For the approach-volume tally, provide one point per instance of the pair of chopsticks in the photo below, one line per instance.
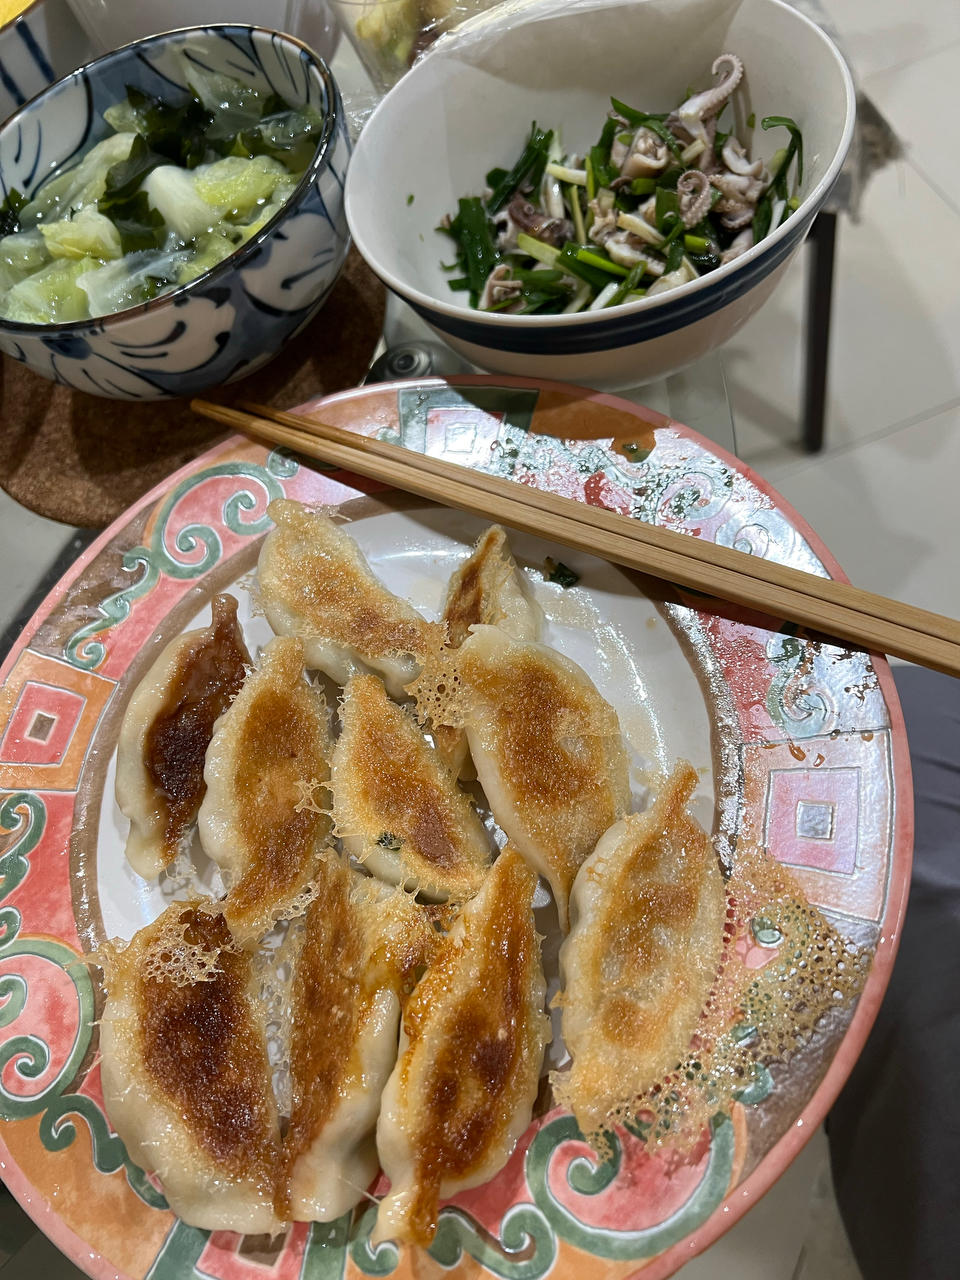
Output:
(836, 609)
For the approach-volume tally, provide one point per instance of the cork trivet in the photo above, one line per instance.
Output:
(83, 460)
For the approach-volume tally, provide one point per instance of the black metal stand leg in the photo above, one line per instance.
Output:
(822, 241)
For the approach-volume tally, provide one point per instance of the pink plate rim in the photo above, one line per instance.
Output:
(771, 1166)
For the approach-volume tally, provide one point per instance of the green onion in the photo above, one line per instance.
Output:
(570, 262)
(751, 120)
(640, 228)
(694, 149)
(591, 179)
(629, 285)
(604, 297)
(594, 258)
(560, 573)
(779, 167)
(580, 298)
(674, 234)
(528, 169)
(704, 262)
(549, 282)
(563, 173)
(796, 138)
(534, 248)
(674, 257)
(479, 253)
(573, 198)
(643, 186)
(668, 202)
(696, 244)
(598, 158)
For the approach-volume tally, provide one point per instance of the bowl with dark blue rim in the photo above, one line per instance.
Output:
(236, 316)
(466, 107)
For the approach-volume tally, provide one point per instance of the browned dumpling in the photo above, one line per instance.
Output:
(472, 1044)
(186, 1080)
(547, 749)
(648, 911)
(314, 583)
(487, 589)
(354, 959)
(264, 819)
(165, 733)
(396, 807)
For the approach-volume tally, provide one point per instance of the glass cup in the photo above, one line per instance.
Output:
(389, 35)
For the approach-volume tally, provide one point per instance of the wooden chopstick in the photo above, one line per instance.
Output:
(837, 609)
(827, 589)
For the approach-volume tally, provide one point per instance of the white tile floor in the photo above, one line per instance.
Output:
(880, 494)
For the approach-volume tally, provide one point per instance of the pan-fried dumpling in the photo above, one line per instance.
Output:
(264, 816)
(547, 749)
(396, 807)
(487, 589)
(166, 731)
(186, 1080)
(355, 959)
(648, 910)
(471, 1047)
(315, 583)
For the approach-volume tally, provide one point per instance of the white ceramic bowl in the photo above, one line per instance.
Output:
(466, 107)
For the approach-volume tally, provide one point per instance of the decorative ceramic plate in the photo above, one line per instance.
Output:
(800, 748)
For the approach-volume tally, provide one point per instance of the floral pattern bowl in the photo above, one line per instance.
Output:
(233, 319)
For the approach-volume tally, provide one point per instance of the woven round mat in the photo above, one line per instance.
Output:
(83, 460)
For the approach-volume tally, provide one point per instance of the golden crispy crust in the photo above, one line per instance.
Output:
(394, 803)
(642, 955)
(485, 590)
(269, 752)
(186, 1076)
(474, 1032)
(355, 956)
(474, 588)
(166, 732)
(548, 751)
(315, 583)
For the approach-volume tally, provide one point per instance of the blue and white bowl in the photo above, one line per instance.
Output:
(39, 45)
(466, 108)
(230, 321)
